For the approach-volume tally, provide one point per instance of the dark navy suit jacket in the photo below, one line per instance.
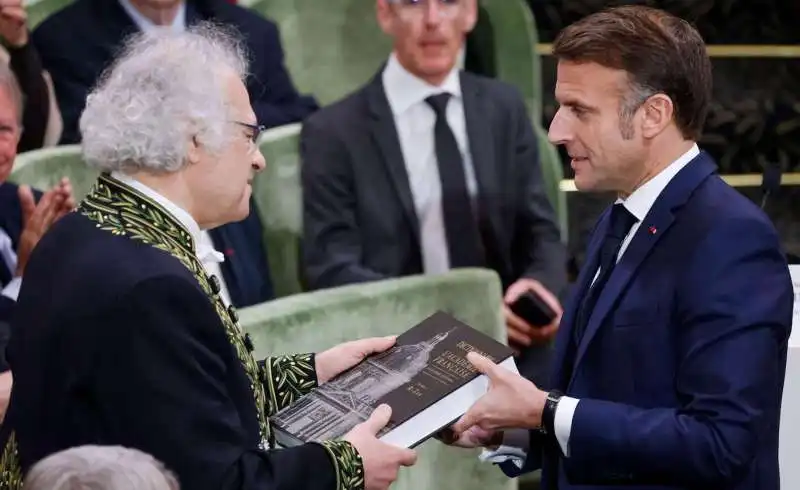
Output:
(11, 224)
(680, 371)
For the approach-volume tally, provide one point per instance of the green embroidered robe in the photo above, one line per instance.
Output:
(275, 382)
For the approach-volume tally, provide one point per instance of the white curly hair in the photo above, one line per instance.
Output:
(164, 89)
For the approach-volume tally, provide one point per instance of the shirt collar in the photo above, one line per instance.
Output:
(404, 89)
(643, 198)
(204, 248)
(146, 25)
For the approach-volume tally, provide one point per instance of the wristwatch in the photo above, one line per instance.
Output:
(549, 412)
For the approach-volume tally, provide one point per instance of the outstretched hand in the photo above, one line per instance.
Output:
(510, 402)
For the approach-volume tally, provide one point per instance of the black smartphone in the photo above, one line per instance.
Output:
(531, 308)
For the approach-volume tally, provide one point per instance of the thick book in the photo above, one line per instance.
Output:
(425, 377)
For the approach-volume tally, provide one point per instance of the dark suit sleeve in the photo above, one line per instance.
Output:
(537, 235)
(275, 100)
(331, 237)
(732, 327)
(164, 380)
(72, 76)
(27, 67)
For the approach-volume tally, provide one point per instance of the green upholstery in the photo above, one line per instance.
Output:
(315, 321)
(38, 10)
(278, 196)
(553, 174)
(332, 47)
(515, 39)
(43, 169)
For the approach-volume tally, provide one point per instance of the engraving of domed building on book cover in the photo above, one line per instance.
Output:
(335, 407)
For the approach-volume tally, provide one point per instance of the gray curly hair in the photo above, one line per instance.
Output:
(164, 89)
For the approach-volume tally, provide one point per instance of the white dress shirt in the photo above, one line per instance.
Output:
(638, 204)
(415, 120)
(146, 25)
(204, 247)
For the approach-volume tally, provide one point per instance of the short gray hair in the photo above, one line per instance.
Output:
(100, 467)
(9, 83)
(164, 89)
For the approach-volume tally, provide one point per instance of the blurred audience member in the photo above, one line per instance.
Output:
(24, 214)
(41, 120)
(427, 168)
(79, 42)
(100, 468)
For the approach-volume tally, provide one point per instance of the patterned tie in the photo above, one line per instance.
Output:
(464, 241)
(619, 225)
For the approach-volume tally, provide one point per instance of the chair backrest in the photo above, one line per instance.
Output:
(516, 59)
(278, 196)
(553, 174)
(314, 321)
(44, 168)
(332, 48)
(38, 10)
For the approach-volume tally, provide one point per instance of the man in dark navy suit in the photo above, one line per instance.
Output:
(671, 357)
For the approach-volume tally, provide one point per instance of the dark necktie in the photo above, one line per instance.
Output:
(619, 225)
(461, 227)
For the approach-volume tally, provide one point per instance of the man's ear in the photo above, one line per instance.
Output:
(193, 152)
(470, 16)
(659, 112)
(383, 12)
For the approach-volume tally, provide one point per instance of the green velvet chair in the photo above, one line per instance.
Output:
(311, 322)
(44, 168)
(38, 10)
(278, 196)
(516, 59)
(331, 47)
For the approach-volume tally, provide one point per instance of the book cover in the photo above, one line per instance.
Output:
(427, 363)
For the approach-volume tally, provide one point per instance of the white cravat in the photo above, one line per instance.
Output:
(204, 246)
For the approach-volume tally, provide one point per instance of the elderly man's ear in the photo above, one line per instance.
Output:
(193, 154)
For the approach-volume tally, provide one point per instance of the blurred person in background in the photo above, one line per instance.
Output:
(25, 215)
(41, 119)
(428, 168)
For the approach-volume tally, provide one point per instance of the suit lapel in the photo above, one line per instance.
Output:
(384, 132)
(563, 342)
(653, 227)
(477, 111)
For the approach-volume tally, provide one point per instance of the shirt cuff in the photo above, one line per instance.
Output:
(515, 446)
(11, 290)
(562, 425)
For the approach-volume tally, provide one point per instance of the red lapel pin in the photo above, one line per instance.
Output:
(652, 230)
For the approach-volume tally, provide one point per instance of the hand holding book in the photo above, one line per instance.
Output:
(381, 461)
(339, 359)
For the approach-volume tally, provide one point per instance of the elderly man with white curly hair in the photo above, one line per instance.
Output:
(127, 340)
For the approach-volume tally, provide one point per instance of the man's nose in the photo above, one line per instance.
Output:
(559, 132)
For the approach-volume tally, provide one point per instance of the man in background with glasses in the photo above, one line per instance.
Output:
(427, 169)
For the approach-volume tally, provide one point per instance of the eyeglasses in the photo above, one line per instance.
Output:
(256, 131)
(447, 8)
